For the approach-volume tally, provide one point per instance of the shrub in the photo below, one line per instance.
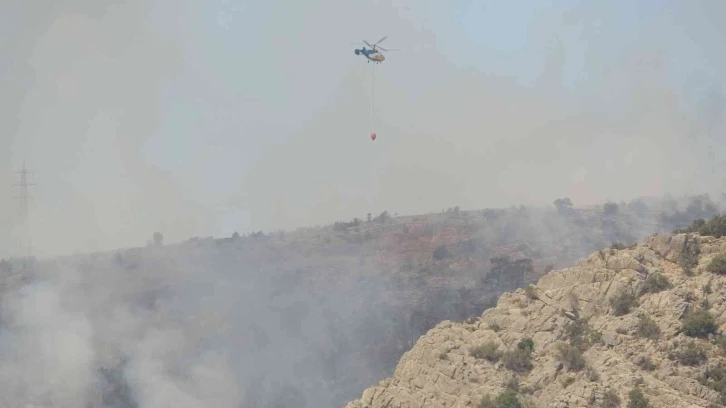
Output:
(637, 399)
(610, 399)
(715, 378)
(691, 354)
(567, 381)
(441, 252)
(488, 351)
(707, 288)
(512, 384)
(699, 324)
(382, 217)
(158, 238)
(648, 328)
(654, 283)
(574, 302)
(647, 364)
(716, 227)
(610, 209)
(688, 258)
(592, 375)
(595, 337)
(638, 207)
(526, 344)
(518, 360)
(717, 265)
(527, 390)
(486, 402)
(344, 226)
(495, 327)
(721, 342)
(622, 303)
(577, 333)
(563, 206)
(570, 356)
(507, 399)
(531, 292)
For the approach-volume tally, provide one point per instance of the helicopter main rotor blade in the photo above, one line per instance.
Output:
(368, 44)
(381, 40)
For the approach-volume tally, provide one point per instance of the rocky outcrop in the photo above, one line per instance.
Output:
(621, 348)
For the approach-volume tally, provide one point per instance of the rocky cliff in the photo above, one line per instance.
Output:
(637, 327)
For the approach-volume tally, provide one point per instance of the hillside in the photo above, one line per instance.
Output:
(641, 324)
(305, 318)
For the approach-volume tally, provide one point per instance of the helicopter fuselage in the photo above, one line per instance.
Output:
(372, 55)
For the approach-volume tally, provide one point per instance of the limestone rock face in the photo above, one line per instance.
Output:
(619, 354)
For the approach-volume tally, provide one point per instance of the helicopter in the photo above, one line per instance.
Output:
(373, 54)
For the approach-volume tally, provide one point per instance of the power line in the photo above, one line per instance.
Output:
(23, 185)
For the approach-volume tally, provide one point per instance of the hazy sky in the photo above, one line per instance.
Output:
(202, 117)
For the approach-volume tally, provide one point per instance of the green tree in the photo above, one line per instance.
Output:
(563, 206)
(610, 209)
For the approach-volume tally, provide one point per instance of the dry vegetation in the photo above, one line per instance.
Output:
(637, 327)
(376, 284)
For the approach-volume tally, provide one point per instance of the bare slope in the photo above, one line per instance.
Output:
(592, 344)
